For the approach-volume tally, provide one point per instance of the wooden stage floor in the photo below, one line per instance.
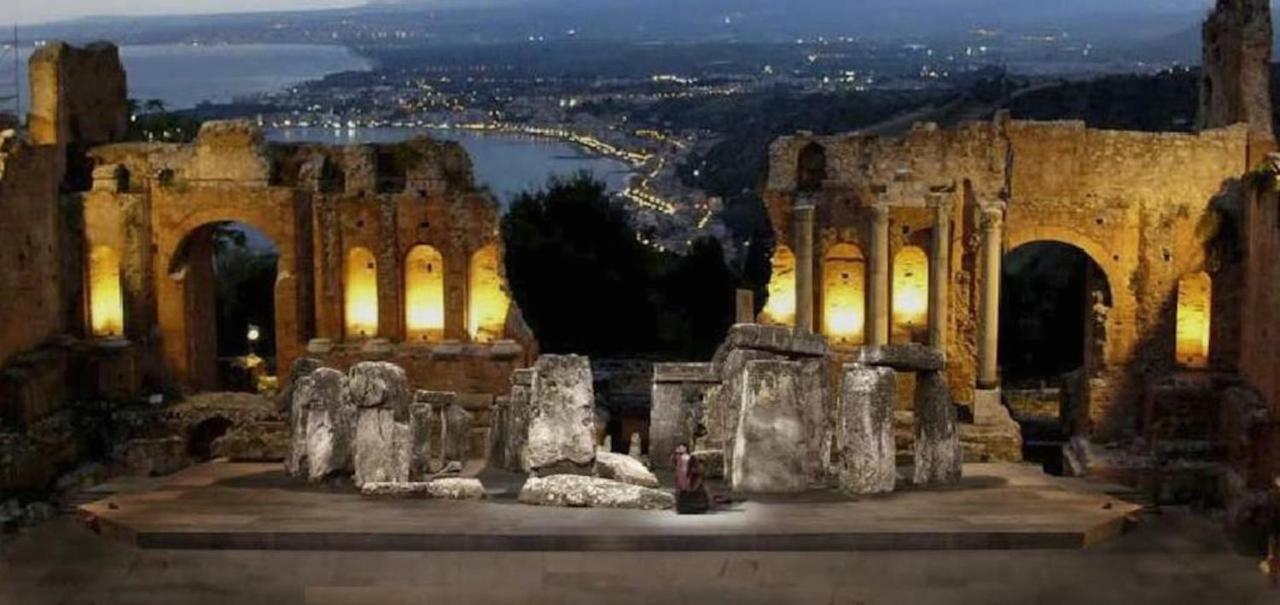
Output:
(231, 506)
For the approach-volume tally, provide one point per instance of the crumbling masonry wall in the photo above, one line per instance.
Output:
(315, 204)
(1142, 206)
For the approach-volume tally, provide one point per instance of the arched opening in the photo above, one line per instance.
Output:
(201, 437)
(811, 168)
(910, 295)
(1054, 301)
(424, 294)
(1195, 295)
(487, 303)
(844, 272)
(106, 304)
(228, 273)
(780, 308)
(361, 294)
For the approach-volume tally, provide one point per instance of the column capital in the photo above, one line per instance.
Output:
(993, 216)
(880, 211)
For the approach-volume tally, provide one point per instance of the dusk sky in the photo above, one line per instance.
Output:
(36, 11)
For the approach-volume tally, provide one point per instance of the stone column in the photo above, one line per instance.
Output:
(745, 306)
(804, 212)
(989, 311)
(940, 274)
(878, 282)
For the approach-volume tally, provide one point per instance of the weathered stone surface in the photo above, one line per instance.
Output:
(254, 442)
(457, 434)
(773, 339)
(154, 457)
(625, 469)
(712, 462)
(868, 457)
(377, 384)
(414, 489)
(330, 423)
(302, 366)
(769, 450)
(456, 488)
(420, 462)
(818, 421)
(443, 489)
(722, 416)
(593, 492)
(561, 417)
(938, 456)
(382, 447)
(913, 357)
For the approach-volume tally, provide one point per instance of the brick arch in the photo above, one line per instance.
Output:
(1096, 252)
(184, 299)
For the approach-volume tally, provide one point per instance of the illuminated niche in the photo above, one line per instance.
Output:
(361, 294)
(1194, 315)
(910, 293)
(106, 304)
(780, 309)
(487, 302)
(424, 294)
(844, 273)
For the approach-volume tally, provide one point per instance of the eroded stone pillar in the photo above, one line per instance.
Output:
(878, 283)
(989, 310)
(939, 274)
(804, 212)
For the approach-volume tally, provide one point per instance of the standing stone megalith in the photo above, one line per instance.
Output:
(457, 434)
(561, 417)
(867, 455)
(938, 454)
(380, 392)
(420, 467)
(330, 419)
(769, 448)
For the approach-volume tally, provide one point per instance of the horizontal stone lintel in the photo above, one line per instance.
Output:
(676, 373)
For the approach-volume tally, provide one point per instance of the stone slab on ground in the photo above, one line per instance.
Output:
(592, 492)
(624, 468)
(454, 488)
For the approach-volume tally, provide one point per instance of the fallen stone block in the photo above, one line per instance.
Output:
(592, 492)
(626, 469)
(866, 430)
(456, 489)
(441, 489)
(254, 442)
(912, 357)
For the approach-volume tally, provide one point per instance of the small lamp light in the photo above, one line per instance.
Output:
(254, 334)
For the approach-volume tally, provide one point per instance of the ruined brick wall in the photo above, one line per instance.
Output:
(315, 203)
(78, 95)
(1142, 206)
(1235, 86)
(1260, 331)
(30, 271)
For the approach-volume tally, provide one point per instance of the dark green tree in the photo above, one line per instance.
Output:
(578, 271)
